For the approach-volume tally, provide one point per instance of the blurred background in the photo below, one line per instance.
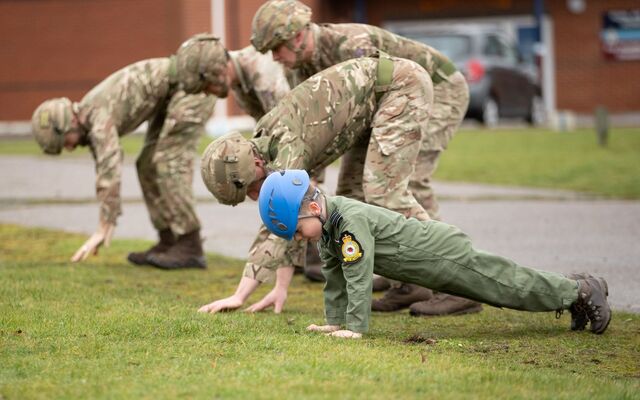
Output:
(542, 62)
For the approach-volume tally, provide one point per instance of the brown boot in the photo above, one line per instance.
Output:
(445, 304)
(313, 263)
(185, 253)
(166, 240)
(400, 297)
(380, 284)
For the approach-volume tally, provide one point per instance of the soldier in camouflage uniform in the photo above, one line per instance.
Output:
(256, 81)
(284, 27)
(143, 91)
(373, 109)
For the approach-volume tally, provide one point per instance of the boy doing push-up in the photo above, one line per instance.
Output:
(357, 240)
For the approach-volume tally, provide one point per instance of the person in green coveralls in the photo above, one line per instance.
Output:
(357, 240)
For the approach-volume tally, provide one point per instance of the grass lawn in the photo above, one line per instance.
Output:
(519, 157)
(541, 158)
(105, 329)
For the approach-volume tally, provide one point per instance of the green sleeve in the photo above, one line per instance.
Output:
(335, 292)
(358, 273)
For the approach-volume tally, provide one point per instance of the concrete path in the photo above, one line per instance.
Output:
(547, 229)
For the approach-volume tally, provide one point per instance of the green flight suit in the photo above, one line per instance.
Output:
(361, 239)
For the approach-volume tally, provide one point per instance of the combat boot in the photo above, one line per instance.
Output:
(444, 304)
(166, 241)
(380, 284)
(400, 297)
(313, 263)
(185, 253)
(592, 302)
(579, 320)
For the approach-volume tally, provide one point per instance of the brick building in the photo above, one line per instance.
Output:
(54, 48)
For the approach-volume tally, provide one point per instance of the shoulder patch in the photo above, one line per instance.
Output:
(351, 249)
(335, 218)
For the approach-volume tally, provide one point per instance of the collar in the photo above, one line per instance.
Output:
(330, 225)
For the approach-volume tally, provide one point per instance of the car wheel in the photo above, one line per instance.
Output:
(490, 113)
(537, 115)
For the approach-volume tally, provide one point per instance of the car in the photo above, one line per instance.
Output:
(501, 84)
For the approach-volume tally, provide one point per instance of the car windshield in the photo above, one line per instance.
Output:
(456, 47)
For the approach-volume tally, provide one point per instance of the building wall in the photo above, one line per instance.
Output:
(53, 48)
(584, 79)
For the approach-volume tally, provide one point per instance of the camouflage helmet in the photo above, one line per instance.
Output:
(276, 22)
(228, 168)
(50, 121)
(202, 60)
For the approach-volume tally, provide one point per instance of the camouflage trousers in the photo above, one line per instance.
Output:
(377, 169)
(450, 102)
(165, 164)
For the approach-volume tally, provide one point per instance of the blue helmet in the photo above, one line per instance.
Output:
(280, 198)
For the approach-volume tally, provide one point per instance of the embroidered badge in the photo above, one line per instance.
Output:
(44, 119)
(351, 249)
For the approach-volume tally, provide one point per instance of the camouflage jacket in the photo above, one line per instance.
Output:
(321, 118)
(115, 107)
(335, 43)
(261, 81)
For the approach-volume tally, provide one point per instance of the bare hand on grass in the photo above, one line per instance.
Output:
(226, 304)
(275, 298)
(323, 328)
(91, 246)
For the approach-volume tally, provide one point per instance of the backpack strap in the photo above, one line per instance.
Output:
(384, 74)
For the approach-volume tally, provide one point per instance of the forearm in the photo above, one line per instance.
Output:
(245, 288)
(110, 204)
(283, 277)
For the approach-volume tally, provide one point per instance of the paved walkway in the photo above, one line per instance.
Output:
(548, 229)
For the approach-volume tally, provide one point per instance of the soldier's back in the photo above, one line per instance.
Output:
(132, 94)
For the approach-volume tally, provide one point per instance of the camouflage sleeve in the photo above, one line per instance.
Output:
(293, 152)
(108, 158)
(270, 84)
(269, 252)
(356, 46)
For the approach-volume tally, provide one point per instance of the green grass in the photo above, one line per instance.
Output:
(105, 329)
(545, 159)
(519, 157)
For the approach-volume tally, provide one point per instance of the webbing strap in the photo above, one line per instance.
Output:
(173, 71)
(444, 70)
(384, 75)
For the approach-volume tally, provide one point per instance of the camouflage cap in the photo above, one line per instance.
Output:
(276, 22)
(50, 121)
(202, 60)
(228, 168)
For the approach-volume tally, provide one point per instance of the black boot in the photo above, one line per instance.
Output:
(185, 253)
(166, 241)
